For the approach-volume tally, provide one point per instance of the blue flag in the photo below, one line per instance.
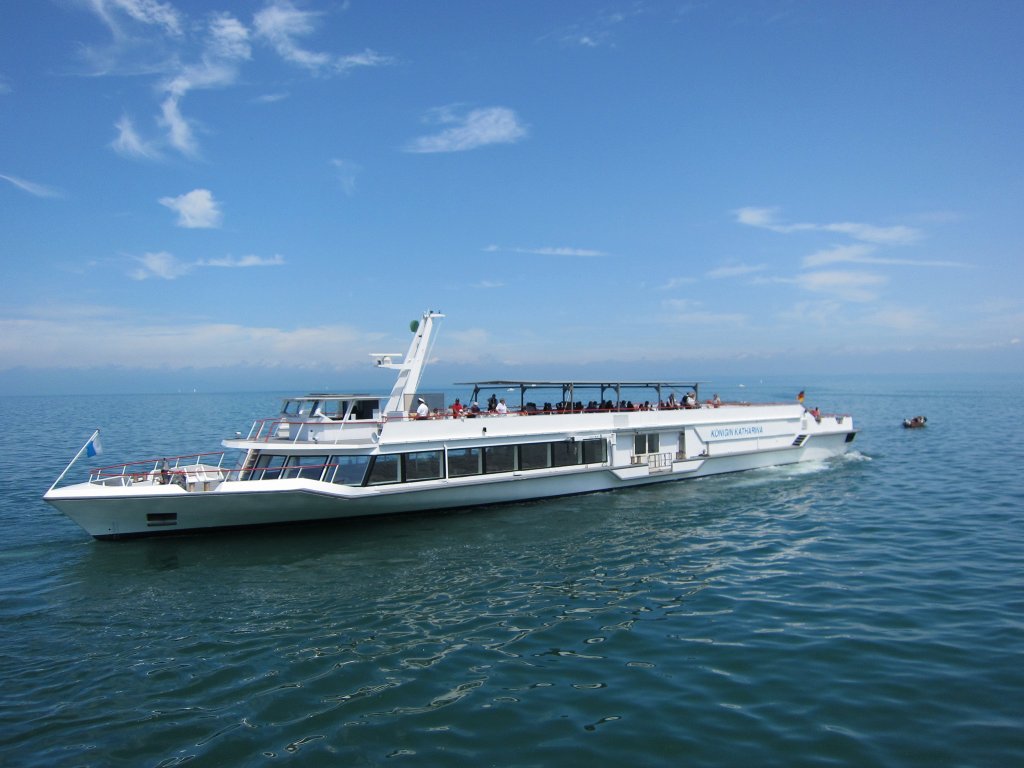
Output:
(94, 447)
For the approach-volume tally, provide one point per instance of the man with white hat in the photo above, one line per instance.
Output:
(422, 411)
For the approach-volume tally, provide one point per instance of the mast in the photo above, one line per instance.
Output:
(410, 369)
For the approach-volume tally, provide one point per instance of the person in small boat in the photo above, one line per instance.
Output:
(422, 411)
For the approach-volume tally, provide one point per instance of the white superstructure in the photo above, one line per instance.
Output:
(330, 456)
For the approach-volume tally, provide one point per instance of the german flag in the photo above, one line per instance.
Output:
(800, 397)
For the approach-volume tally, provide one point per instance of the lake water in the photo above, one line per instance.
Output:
(867, 611)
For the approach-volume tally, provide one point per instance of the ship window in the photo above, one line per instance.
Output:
(333, 409)
(533, 456)
(309, 467)
(464, 461)
(499, 458)
(565, 453)
(595, 451)
(347, 470)
(268, 467)
(385, 469)
(645, 443)
(422, 465)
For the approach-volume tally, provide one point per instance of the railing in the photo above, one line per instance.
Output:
(161, 471)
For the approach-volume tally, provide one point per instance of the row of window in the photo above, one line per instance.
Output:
(429, 465)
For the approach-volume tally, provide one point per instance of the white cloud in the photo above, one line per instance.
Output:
(162, 265)
(841, 253)
(166, 266)
(691, 312)
(38, 190)
(129, 144)
(281, 24)
(549, 251)
(477, 128)
(114, 338)
(900, 319)
(145, 12)
(244, 261)
(766, 218)
(153, 37)
(196, 209)
(229, 38)
(676, 282)
(849, 286)
(596, 31)
(179, 132)
(226, 46)
(270, 98)
(5, 87)
(863, 254)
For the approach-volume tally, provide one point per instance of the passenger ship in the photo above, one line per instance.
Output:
(332, 456)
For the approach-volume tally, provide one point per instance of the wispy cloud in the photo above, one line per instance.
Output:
(119, 338)
(166, 266)
(766, 218)
(900, 319)
(245, 261)
(692, 312)
(596, 31)
(849, 286)
(115, 13)
(282, 25)
(129, 144)
(270, 98)
(677, 282)
(5, 87)
(162, 264)
(196, 209)
(33, 188)
(864, 254)
(152, 37)
(474, 129)
(548, 251)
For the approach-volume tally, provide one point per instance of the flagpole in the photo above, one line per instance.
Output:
(78, 455)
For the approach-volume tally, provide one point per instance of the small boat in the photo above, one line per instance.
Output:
(328, 456)
(915, 422)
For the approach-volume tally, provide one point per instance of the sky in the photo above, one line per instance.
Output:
(238, 195)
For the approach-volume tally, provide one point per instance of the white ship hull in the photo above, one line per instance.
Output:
(133, 511)
(330, 457)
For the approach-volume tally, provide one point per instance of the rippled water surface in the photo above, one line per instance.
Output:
(863, 611)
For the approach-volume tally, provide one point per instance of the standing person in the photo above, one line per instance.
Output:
(457, 408)
(501, 408)
(422, 411)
